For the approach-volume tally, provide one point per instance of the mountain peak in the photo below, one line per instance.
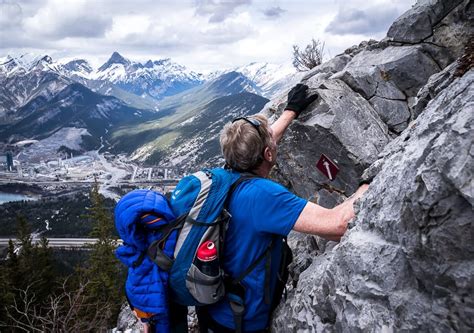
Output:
(151, 63)
(47, 59)
(118, 58)
(42, 63)
(115, 58)
(7, 64)
(148, 64)
(79, 65)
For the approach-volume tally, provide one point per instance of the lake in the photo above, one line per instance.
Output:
(7, 197)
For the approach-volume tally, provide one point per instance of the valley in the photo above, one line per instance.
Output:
(65, 126)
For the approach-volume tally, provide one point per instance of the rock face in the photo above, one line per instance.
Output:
(396, 112)
(407, 262)
(424, 21)
(443, 25)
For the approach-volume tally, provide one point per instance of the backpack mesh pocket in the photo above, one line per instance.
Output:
(204, 288)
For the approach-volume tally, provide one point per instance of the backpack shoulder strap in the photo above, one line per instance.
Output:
(243, 177)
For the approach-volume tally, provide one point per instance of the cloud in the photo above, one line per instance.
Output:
(172, 36)
(226, 34)
(363, 21)
(205, 34)
(76, 19)
(218, 10)
(273, 12)
(11, 14)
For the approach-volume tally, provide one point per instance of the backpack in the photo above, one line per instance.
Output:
(199, 204)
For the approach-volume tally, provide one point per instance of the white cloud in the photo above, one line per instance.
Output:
(204, 35)
(11, 14)
(172, 35)
(76, 19)
(218, 10)
(273, 12)
(356, 20)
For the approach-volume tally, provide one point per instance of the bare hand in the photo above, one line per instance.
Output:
(360, 191)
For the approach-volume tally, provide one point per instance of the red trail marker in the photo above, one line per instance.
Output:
(327, 167)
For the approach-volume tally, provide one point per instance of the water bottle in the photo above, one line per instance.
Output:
(207, 261)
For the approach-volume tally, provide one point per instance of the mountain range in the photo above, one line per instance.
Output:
(156, 111)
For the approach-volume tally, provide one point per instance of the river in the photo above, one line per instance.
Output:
(7, 197)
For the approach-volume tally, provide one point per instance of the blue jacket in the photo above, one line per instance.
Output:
(146, 285)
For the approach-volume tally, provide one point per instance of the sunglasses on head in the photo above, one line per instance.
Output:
(252, 121)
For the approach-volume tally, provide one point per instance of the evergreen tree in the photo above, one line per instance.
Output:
(28, 268)
(103, 273)
(23, 236)
(11, 264)
(35, 263)
(7, 269)
(44, 272)
(23, 273)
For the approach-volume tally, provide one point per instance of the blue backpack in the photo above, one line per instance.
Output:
(198, 214)
(198, 202)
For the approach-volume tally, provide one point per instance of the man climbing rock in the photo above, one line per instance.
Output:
(263, 213)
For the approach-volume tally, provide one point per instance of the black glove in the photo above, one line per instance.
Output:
(297, 99)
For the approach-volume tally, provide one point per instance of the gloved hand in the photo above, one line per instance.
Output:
(298, 100)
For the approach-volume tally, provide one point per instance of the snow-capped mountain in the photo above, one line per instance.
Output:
(154, 78)
(12, 65)
(24, 78)
(267, 78)
(143, 85)
(75, 106)
(156, 111)
(77, 67)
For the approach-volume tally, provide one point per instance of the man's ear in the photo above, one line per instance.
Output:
(267, 155)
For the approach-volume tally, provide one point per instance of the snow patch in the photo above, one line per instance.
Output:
(70, 137)
(103, 109)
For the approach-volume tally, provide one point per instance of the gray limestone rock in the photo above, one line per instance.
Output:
(433, 87)
(127, 321)
(393, 70)
(455, 28)
(394, 113)
(417, 24)
(406, 263)
(388, 78)
(332, 66)
(443, 28)
(364, 45)
(340, 124)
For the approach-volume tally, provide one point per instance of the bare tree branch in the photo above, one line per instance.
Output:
(311, 57)
(63, 312)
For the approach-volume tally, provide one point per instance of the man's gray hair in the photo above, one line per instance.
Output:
(242, 145)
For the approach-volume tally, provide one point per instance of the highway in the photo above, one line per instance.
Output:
(160, 182)
(66, 243)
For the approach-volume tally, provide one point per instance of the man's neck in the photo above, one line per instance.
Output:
(263, 169)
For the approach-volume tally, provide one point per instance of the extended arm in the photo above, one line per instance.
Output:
(328, 223)
(281, 124)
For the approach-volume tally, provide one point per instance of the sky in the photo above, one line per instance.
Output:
(203, 35)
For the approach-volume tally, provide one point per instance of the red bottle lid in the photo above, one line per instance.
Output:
(207, 251)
